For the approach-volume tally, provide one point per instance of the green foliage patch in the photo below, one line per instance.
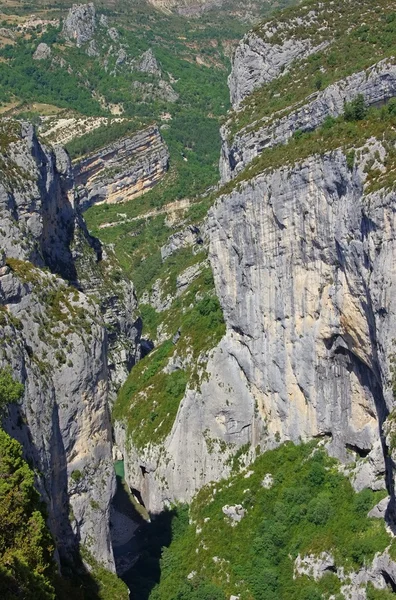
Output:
(310, 508)
(26, 567)
(10, 390)
(150, 398)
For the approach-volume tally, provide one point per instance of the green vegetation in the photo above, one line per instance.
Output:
(10, 390)
(311, 508)
(26, 567)
(150, 398)
(104, 135)
(366, 33)
(355, 110)
(98, 584)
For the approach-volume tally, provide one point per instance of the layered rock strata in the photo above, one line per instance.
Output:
(376, 85)
(123, 170)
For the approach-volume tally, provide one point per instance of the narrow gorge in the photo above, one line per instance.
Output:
(197, 301)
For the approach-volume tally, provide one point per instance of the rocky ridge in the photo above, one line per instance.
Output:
(54, 337)
(376, 85)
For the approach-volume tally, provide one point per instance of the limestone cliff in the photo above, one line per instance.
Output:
(53, 329)
(376, 84)
(124, 170)
(302, 247)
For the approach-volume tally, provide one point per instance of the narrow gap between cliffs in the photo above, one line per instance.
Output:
(137, 538)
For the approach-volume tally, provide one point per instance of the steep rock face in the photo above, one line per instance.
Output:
(304, 267)
(376, 84)
(80, 23)
(256, 62)
(54, 338)
(124, 170)
(303, 262)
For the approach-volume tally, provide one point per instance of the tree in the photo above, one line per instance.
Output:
(355, 110)
(10, 390)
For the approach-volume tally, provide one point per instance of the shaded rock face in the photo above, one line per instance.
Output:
(376, 84)
(123, 170)
(39, 216)
(53, 336)
(80, 23)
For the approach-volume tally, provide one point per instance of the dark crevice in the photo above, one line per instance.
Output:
(362, 452)
(138, 496)
(389, 581)
(331, 569)
(373, 374)
(323, 434)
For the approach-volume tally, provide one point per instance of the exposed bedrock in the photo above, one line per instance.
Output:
(123, 170)
(376, 84)
(304, 266)
(54, 337)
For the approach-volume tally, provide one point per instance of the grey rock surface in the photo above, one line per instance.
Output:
(122, 170)
(147, 63)
(80, 23)
(42, 52)
(302, 258)
(256, 62)
(191, 236)
(234, 513)
(381, 573)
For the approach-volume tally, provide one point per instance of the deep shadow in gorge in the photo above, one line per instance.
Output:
(145, 546)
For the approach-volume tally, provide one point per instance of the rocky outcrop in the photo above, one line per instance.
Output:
(148, 64)
(256, 62)
(191, 236)
(376, 84)
(42, 52)
(80, 23)
(54, 337)
(123, 170)
(150, 91)
(381, 573)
